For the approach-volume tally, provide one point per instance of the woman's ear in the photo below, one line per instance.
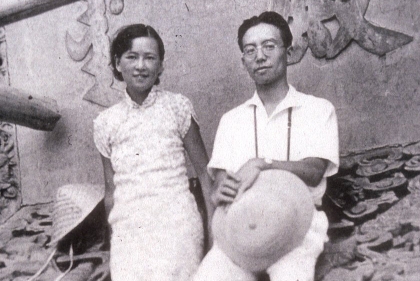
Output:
(162, 68)
(117, 63)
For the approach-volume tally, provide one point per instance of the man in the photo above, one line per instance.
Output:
(278, 128)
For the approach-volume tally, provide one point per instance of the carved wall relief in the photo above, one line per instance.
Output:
(96, 43)
(3, 58)
(116, 6)
(10, 191)
(307, 20)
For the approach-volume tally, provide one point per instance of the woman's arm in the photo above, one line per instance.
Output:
(196, 150)
(109, 185)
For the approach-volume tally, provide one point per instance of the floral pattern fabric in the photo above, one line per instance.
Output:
(157, 229)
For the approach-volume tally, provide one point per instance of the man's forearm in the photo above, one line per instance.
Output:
(309, 170)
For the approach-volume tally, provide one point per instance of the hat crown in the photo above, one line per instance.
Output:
(267, 222)
(73, 203)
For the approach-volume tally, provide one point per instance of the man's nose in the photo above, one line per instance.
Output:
(260, 55)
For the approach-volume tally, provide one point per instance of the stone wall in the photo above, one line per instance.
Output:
(375, 96)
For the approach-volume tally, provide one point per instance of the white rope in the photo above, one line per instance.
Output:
(71, 265)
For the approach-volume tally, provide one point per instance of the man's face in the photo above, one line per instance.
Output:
(265, 56)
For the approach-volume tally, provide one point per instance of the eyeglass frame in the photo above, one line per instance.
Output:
(252, 57)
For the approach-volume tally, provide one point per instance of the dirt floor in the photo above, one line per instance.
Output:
(373, 205)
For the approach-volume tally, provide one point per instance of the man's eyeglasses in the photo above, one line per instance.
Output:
(268, 48)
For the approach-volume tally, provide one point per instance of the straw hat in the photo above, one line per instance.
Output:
(267, 222)
(74, 202)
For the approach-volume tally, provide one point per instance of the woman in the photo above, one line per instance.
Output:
(157, 232)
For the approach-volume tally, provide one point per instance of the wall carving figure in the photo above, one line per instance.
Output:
(95, 45)
(307, 20)
(10, 191)
(116, 6)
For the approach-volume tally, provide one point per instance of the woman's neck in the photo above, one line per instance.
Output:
(139, 97)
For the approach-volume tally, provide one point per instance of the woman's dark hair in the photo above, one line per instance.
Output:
(272, 18)
(122, 42)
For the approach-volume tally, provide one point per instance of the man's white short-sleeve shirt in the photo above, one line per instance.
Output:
(314, 133)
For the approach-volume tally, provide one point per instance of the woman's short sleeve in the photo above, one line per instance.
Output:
(184, 112)
(101, 136)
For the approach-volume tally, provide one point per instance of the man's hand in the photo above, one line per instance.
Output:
(248, 174)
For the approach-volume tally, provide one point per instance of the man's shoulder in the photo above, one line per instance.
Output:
(309, 101)
(236, 112)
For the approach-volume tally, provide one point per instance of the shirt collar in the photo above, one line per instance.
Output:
(293, 99)
(149, 101)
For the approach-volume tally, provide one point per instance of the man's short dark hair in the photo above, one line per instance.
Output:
(272, 18)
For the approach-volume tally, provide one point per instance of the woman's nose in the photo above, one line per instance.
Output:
(140, 63)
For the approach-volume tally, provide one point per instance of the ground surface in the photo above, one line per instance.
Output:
(379, 240)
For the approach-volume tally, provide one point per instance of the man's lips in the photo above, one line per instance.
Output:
(261, 68)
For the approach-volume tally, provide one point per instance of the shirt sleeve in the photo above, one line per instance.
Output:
(101, 136)
(222, 149)
(322, 138)
(184, 112)
(329, 146)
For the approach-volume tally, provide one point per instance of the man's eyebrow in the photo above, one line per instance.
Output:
(272, 39)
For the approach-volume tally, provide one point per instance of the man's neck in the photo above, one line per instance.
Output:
(271, 95)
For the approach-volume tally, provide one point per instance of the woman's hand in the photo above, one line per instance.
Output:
(227, 188)
(231, 186)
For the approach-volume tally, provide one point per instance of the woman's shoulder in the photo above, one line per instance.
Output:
(111, 113)
(172, 96)
(174, 101)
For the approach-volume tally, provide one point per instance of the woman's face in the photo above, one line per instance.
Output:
(141, 65)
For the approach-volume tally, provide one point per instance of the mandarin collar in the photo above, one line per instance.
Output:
(293, 99)
(149, 101)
